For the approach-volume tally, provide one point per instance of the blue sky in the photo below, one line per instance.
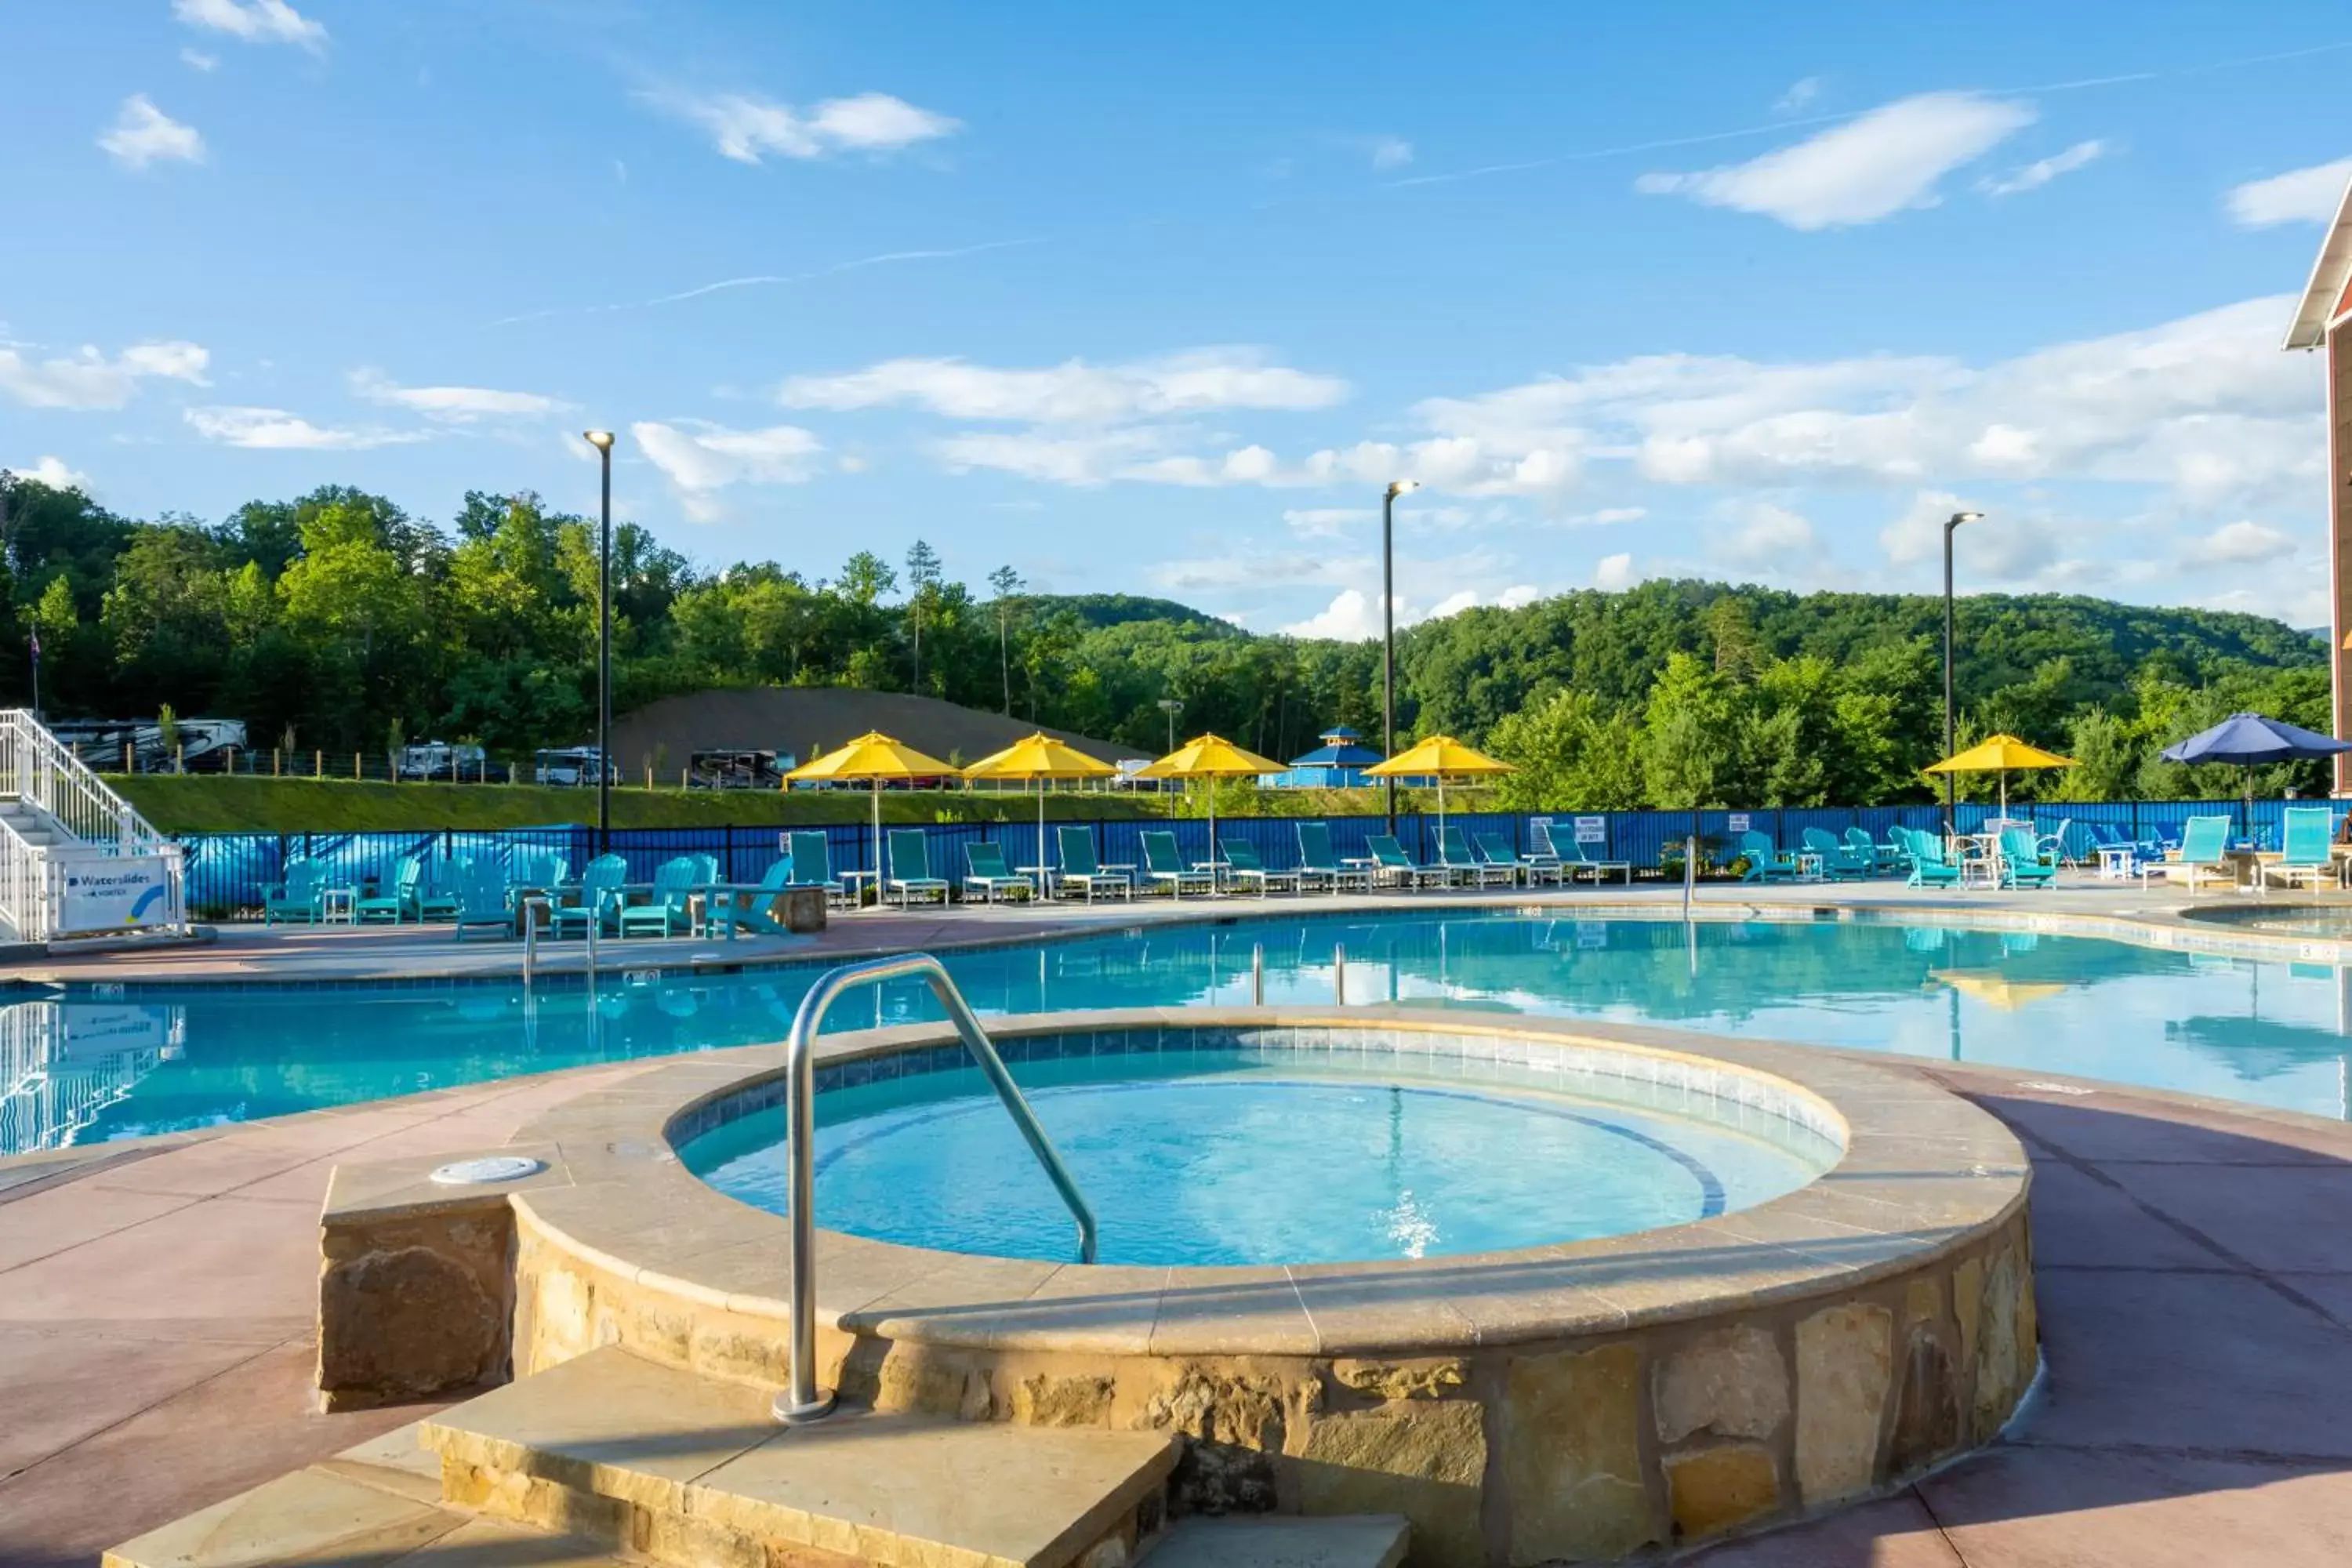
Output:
(1161, 302)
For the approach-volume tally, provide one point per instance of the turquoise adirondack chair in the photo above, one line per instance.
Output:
(1766, 861)
(593, 899)
(2204, 853)
(295, 901)
(541, 869)
(1930, 866)
(482, 900)
(1839, 859)
(2307, 852)
(394, 901)
(670, 909)
(2021, 862)
(755, 909)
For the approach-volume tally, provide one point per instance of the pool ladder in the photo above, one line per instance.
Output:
(804, 1402)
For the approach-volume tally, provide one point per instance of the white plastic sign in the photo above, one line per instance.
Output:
(1593, 830)
(1738, 823)
(115, 892)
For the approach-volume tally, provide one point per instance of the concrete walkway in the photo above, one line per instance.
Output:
(2196, 1303)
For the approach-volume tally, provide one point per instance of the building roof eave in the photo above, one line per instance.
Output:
(2330, 275)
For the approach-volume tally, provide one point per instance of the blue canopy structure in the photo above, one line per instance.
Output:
(2251, 741)
(1339, 763)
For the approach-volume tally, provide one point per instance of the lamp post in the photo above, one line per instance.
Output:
(1388, 633)
(1172, 707)
(603, 441)
(1951, 781)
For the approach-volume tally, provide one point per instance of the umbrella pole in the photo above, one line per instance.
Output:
(1215, 884)
(878, 841)
(1041, 834)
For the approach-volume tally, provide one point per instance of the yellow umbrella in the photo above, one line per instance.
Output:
(1036, 759)
(1996, 989)
(2002, 754)
(1210, 757)
(1440, 757)
(873, 756)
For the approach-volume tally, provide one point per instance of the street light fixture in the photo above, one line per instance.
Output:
(1951, 781)
(1388, 631)
(603, 441)
(1172, 707)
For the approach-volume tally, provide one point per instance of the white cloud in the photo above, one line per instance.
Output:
(1615, 573)
(1330, 522)
(254, 21)
(1518, 593)
(143, 134)
(1799, 94)
(197, 60)
(88, 380)
(2299, 196)
(53, 472)
(1870, 168)
(1390, 151)
(1454, 604)
(454, 405)
(701, 459)
(2042, 171)
(275, 429)
(2003, 547)
(1352, 616)
(2240, 544)
(1605, 517)
(1765, 537)
(745, 127)
(1073, 393)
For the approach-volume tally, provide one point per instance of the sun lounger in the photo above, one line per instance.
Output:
(2307, 854)
(812, 866)
(1460, 862)
(1243, 864)
(1318, 863)
(1393, 867)
(909, 854)
(1165, 867)
(2204, 853)
(1081, 871)
(1497, 851)
(984, 869)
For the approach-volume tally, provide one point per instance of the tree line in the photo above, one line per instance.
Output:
(339, 621)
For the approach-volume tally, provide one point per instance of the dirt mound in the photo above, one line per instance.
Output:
(804, 720)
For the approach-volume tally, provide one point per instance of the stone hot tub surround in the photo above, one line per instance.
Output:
(1587, 1401)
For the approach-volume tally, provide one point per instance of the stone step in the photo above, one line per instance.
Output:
(378, 1504)
(690, 1473)
(1275, 1540)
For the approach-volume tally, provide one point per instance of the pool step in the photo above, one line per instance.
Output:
(689, 1472)
(1271, 1541)
(377, 1504)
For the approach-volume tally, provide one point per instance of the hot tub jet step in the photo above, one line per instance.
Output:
(687, 1471)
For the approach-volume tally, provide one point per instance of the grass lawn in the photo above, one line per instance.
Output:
(212, 804)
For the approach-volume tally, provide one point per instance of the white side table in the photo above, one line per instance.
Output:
(339, 906)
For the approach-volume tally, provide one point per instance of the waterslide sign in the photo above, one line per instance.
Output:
(1738, 823)
(115, 892)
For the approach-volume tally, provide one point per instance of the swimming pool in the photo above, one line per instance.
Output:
(82, 1068)
(1199, 1157)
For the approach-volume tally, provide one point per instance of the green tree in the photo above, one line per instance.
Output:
(1691, 737)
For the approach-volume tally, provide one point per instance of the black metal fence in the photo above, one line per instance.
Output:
(228, 871)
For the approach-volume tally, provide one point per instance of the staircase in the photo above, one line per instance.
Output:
(75, 859)
(608, 1460)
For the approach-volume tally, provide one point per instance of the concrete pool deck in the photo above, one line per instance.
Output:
(156, 1302)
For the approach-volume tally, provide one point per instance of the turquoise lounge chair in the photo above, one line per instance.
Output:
(1497, 850)
(295, 901)
(1316, 863)
(392, 904)
(2204, 852)
(1081, 871)
(482, 900)
(1541, 849)
(908, 851)
(1460, 862)
(1574, 860)
(1163, 864)
(1241, 863)
(2022, 861)
(2307, 850)
(812, 866)
(1931, 867)
(670, 909)
(1766, 861)
(1839, 859)
(600, 887)
(1391, 866)
(984, 869)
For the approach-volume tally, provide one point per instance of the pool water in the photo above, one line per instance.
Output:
(1194, 1160)
(84, 1069)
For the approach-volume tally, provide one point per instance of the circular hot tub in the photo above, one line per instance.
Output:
(1551, 1290)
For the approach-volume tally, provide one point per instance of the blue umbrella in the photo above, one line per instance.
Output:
(2249, 740)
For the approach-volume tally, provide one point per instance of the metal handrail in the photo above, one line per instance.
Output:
(804, 1402)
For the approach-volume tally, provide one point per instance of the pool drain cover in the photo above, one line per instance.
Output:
(495, 1168)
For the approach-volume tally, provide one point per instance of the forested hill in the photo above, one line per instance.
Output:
(336, 620)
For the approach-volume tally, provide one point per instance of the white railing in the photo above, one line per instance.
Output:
(40, 772)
